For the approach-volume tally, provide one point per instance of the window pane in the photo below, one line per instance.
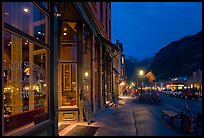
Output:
(69, 34)
(69, 52)
(27, 18)
(69, 84)
(45, 4)
(25, 81)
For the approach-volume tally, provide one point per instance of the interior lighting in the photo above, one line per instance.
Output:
(86, 74)
(6, 13)
(25, 10)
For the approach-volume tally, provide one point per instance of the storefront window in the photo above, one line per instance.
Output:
(87, 64)
(45, 4)
(25, 66)
(69, 84)
(68, 66)
(69, 32)
(25, 83)
(68, 52)
(27, 18)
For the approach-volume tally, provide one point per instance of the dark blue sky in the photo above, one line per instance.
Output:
(145, 27)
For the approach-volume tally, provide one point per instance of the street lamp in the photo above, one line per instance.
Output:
(141, 73)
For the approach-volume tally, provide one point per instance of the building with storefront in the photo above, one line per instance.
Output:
(195, 81)
(55, 55)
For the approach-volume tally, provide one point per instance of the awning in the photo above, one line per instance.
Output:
(115, 70)
(109, 43)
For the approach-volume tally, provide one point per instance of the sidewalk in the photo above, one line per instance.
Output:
(115, 120)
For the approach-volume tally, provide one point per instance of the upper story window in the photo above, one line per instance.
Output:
(101, 11)
(123, 61)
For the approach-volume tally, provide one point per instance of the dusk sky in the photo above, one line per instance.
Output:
(145, 27)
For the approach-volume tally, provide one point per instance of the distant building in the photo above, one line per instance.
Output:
(195, 81)
(176, 83)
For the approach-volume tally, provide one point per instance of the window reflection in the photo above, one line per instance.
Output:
(39, 32)
(25, 79)
(69, 34)
(27, 18)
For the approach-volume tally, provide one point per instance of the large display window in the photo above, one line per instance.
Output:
(68, 66)
(25, 66)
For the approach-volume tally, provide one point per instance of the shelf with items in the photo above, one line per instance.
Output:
(8, 91)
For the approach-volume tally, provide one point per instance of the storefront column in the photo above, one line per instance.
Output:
(80, 71)
(53, 65)
(93, 74)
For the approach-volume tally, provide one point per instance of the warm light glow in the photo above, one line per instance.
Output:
(141, 72)
(26, 43)
(65, 29)
(25, 10)
(58, 14)
(44, 85)
(132, 83)
(122, 83)
(86, 74)
(39, 32)
(26, 71)
(65, 33)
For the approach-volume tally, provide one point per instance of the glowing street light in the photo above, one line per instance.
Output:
(141, 73)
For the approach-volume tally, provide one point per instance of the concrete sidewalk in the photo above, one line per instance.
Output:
(115, 120)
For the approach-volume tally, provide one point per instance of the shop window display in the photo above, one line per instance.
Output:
(25, 67)
(68, 66)
(25, 81)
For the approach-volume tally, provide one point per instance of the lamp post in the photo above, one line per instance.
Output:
(141, 73)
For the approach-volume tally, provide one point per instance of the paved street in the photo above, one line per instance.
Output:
(127, 118)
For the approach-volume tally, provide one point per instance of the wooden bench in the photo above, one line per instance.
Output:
(168, 113)
(23, 118)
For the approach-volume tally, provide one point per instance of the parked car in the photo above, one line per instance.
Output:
(194, 93)
(190, 93)
(185, 94)
(177, 92)
(167, 92)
